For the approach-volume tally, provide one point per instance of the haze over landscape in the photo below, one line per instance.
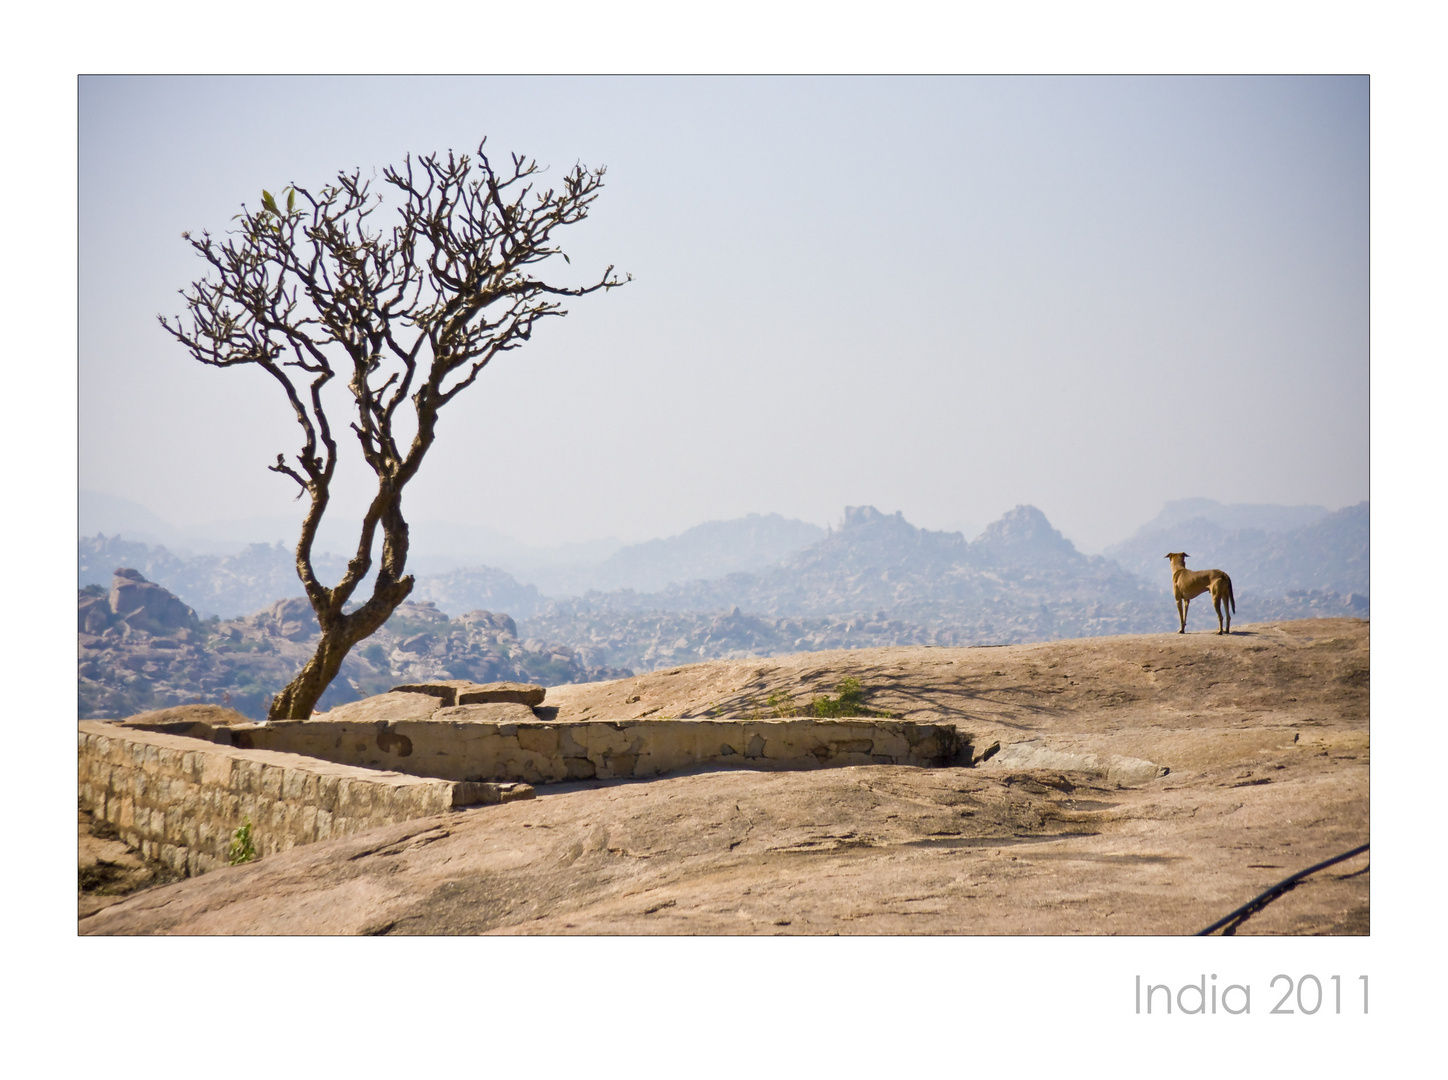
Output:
(940, 296)
(903, 360)
(756, 586)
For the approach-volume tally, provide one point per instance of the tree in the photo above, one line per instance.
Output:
(310, 288)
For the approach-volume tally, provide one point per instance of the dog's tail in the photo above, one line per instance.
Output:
(1231, 596)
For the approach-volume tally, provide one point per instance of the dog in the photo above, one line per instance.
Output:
(1186, 584)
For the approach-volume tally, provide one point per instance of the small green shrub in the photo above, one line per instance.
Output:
(242, 849)
(850, 702)
(782, 704)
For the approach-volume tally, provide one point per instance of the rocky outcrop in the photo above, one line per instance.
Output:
(241, 663)
(483, 587)
(222, 585)
(292, 619)
(875, 581)
(95, 613)
(1327, 555)
(147, 606)
(712, 550)
(1023, 536)
(878, 580)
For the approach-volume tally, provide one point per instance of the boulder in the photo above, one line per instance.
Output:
(197, 721)
(95, 614)
(292, 619)
(417, 644)
(144, 605)
(200, 713)
(421, 611)
(487, 620)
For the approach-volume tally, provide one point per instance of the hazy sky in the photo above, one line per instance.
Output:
(941, 296)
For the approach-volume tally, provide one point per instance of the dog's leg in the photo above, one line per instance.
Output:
(1217, 607)
(1182, 604)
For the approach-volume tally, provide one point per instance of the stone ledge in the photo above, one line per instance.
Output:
(470, 743)
(178, 786)
(464, 692)
(179, 799)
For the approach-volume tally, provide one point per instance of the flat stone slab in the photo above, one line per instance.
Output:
(497, 712)
(212, 716)
(398, 705)
(464, 692)
(1111, 767)
(488, 793)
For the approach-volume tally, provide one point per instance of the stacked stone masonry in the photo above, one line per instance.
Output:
(180, 800)
(547, 752)
(179, 788)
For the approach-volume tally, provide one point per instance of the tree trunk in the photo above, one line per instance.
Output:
(299, 698)
(340, 632)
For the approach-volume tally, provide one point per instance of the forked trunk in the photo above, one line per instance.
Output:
(298, 699)
(340, 631)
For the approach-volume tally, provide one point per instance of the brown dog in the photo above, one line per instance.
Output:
(1186, 584)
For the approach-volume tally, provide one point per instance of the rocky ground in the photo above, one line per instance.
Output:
(109, 869)
(1066, 829)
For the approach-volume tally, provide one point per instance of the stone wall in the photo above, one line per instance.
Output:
(178, 786)
(179, 799)
(449, 747)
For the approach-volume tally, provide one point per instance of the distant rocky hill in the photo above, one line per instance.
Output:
(646, 640)
(877, 580)
(880, 562)
(706, 551)
(478, 587)
(223, 585)
(1268, 517)
(1327, 553)
(228, 585)
(261, 574)
(141, 648)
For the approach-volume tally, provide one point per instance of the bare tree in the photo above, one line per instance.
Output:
(413, 314)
